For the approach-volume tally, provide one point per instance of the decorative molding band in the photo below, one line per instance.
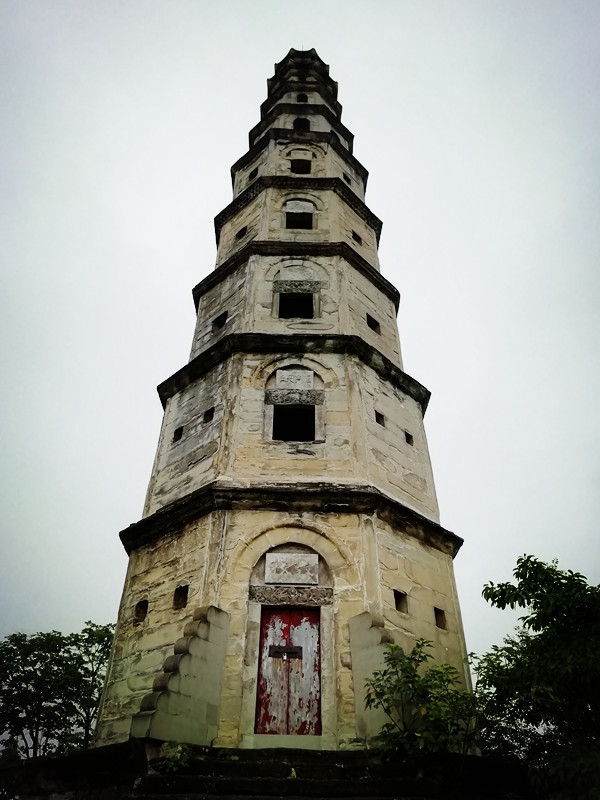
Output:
(303, 287)
(294, 397)
(336, 185)
(291, 596)
(294, 344)
(326, 498)
(262, 247)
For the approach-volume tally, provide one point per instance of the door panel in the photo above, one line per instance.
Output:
(289, 681)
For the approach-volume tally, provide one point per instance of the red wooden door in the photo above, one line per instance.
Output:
(288, 698)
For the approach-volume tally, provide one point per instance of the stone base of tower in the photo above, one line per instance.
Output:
(332, 586)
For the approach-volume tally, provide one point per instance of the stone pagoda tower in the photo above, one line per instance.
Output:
(291, 526)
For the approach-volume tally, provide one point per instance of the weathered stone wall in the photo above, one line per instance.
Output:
(264, 218)
(276, 157)
(188, 449)
(345, 297)
(217, 557)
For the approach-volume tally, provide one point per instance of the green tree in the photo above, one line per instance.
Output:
(51, 687)
(426, 710)
(540, 690)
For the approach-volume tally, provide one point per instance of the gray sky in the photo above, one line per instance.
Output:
(479, 123)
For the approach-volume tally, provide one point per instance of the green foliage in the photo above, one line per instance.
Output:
(426, 712)
(540, 690)
(51, 687)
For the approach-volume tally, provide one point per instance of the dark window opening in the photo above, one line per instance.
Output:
(178, 433)
(409, 438)
(242, 232)
(301, 166)
(299, 219)
(357, 237)
(380, 419)
(301, 124)
(219, 321)
(401, 601)
(294, 423)
(140, 612)
(373, 324)
(302, 98)
(180, 597)
(296, 304)
(440, 618)
(208, 414)
(253, 174)
(347, 177)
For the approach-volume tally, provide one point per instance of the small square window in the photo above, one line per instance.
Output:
(380, 419)
(252, 175)
(178, 433)
(180, 597)
(296, 304)
(300, 166)
(208, 414)
(401, 601)
(294, 423)
(347, 177)
(440, 618)
(357, 237)
(219, 321)
(299, 219)
(140, 612)
(373, 324)
(409, 438)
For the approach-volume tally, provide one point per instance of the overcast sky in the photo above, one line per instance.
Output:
(479, 123)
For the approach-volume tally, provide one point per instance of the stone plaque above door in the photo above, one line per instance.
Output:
(294, 568)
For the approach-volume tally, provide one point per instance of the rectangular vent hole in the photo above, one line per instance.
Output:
(401, 601)
(357, 237)
(219, 321)
(380, 419)
(178, 433)
(440, 618)
(410, 439)
(180, 597)
(140, 611)
(373, 324)
(208, 414)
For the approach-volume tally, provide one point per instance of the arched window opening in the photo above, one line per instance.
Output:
(299, 214)
(302, 98)
(294, 405)
(301, 124)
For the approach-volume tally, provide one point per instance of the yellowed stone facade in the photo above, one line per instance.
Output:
(292, 436)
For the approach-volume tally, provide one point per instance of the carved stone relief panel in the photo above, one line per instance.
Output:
(295, 379)
(291, 595)
(289, 568)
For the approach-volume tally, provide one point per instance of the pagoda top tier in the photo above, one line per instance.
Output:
(301, 71)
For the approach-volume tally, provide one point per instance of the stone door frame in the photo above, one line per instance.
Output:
(328, 738)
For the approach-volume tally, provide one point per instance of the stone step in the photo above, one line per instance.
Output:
(220, 785)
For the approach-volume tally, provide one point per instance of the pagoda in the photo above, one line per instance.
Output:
(291, 527)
